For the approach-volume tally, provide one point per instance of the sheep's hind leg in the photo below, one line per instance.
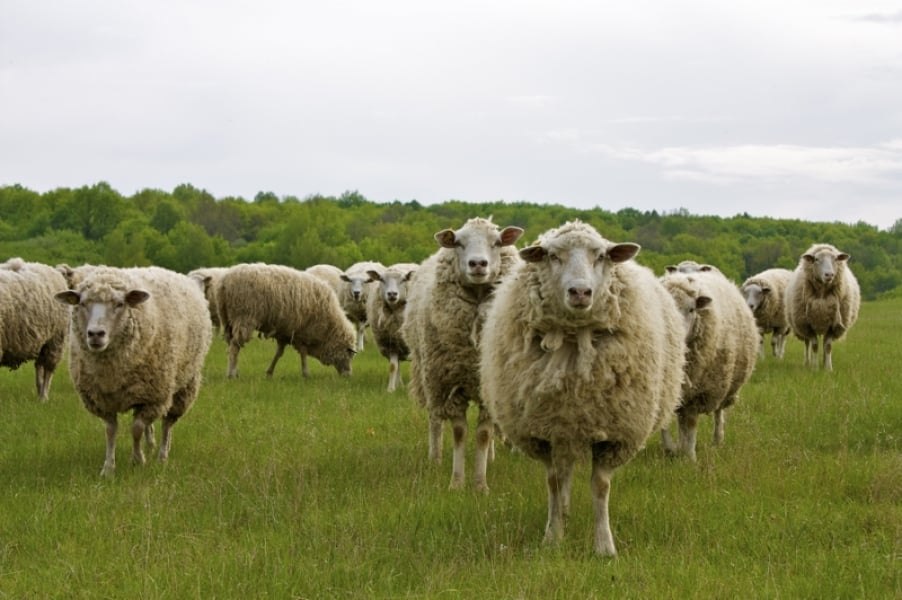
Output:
(139, 427)
(601, 491)
(280, 350)
(688, 431)
(109, 463)
(828, 353)
(719, 418)
(558, 477)
(435, 439)
(484, 430)
(458, 460)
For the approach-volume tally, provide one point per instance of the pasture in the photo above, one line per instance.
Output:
(320, 488)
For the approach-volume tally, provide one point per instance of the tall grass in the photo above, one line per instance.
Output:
(320, 488)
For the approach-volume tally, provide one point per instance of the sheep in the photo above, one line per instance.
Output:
(763, 294)
(207, 277)
(32, 325)
(138, 341)
(328, 273)
(822, 299)
(446, 304)
(385, 314)
(721, 339)
(286, 304)
(354, 293)
(690, 266)
(581, 355)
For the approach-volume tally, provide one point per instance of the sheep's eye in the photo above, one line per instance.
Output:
(554, 258)
(119, 305)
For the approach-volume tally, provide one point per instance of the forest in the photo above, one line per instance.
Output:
(188, 228)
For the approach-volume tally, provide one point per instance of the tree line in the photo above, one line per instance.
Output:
(189, 228)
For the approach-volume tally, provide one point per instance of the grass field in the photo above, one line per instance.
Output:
(320, 488)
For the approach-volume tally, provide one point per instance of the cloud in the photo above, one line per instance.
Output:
(769, 163)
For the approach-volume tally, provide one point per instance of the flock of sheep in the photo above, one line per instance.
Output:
(569, 348)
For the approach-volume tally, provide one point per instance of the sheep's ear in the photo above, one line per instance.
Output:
(623, 252)
(136, 297)
(68, 297)
(670, 269)
(842, 256)
(509, 235)
(765, 290)
(702, 302)
(374, 275)
(808, 258)
(446, 238)
(409, 274)
(533, 254)
(705, 268)
(344, 277)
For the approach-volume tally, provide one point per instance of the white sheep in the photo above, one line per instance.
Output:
(32, 325)
(330, 274)
(822, 299)
(581, 355)
(385, 314)
(446, 304)
(207, 277)
(138, 340)
(690, 266)
(721, 347)
(288, 305)
(354, 294)
(764, 294)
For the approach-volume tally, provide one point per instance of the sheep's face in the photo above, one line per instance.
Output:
(577, 267)
(392, 285)
(690, 301)
(825, 264)
(755, 295)
(98, 313)
(357, 285)
(478, 250)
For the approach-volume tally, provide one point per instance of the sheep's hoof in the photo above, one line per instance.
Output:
(481, 487)
(456, 484)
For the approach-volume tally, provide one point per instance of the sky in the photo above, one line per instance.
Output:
(783, 109)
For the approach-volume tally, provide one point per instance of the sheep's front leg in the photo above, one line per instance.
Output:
(458, 462)
(361, 330)
(166, 437)
(670, 447)
(234, 349)
(601, 491)
(109, 464)
(305, 371)
(484, 430)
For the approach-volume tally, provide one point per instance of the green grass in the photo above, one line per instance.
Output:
(320, 488)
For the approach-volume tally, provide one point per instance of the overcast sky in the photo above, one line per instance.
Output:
(780, 108)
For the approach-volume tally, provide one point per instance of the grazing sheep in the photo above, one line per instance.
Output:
(446, 304)
(822, 299)
(385, 314)
(354, 294)
(286, 304)
(721, 340)
(207, 277)
(328, 273)
(581, 355)
(138, 340)
(763, 294)
(32, 325)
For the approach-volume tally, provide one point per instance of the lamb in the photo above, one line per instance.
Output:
(32, 325)
(286, 304)
(763, 294)
(446, 305)
(354, 293)
(138, 340)
(385, 314)
(721, 340)
(822, 299)
(581, 355)
(207, 277)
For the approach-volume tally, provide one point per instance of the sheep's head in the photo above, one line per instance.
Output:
(577, 263)
(755, 295)
(393, 284)
(356, 281)
(99, 311)
(478, 248)
(824, 261)
(690, 300)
